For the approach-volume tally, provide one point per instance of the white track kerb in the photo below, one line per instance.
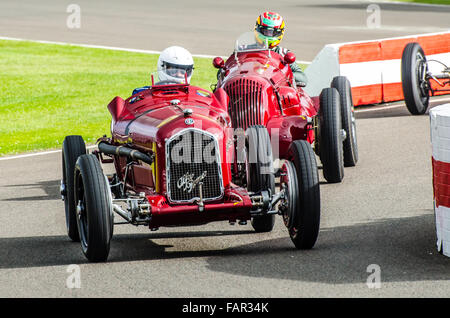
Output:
(440, 140)
(373, 67)
(369, 78)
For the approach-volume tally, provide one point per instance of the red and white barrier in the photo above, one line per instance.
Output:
(440, 140)
(373, 67)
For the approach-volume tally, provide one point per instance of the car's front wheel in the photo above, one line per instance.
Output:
(93, 202)
(330, 144)
(416, 87)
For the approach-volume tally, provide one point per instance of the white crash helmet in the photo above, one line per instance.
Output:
(173, 63)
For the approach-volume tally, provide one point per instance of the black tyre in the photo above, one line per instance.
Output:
(93, 208)
(331, 146)
(260, 174)
(301, 207)
(416, 87)
(350, 144)
(73, 147)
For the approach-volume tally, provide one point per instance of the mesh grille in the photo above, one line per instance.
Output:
(192, 158)
(245, 106)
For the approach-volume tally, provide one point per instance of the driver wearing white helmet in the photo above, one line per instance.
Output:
(174, 63)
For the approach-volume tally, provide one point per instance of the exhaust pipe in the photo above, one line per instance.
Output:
(124, 152)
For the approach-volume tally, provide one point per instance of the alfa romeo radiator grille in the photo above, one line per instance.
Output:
(192, 162)
(245, 107)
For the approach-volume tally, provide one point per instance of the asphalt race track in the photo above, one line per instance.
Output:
(381, 214)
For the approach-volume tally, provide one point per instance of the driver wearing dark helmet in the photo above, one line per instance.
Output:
(174, 63)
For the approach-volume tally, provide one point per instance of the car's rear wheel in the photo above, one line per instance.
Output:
(73, 147)
(93, 203)
(416, 87)
(301, 205)
(331, 146)
(350, 143)
(260, 174)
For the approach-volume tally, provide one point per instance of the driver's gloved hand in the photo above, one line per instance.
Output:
(300, 78)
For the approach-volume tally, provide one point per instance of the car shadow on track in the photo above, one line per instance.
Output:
(404, 248)
(51, 189)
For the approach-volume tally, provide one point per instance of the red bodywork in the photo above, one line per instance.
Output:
(262, 91)
(146, 120)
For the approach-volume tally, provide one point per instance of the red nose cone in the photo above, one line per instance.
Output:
(218, 62)
(289, 58)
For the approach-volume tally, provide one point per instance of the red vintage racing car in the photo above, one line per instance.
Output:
(172, 146)
(417, 78)
(262, 91)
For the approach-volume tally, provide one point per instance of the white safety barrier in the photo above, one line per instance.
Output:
(440, 140)
(373, 67)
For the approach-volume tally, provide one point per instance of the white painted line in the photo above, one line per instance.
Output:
(402, 3)
(445, 99)
(114, 48)
(37, 154)
(371, 70)
(92, 46)
(94, 146)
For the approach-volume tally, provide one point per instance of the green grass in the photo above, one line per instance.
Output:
(49, 91)
(428, 1)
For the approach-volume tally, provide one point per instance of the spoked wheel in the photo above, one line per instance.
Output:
(350, 143)
(93, 207)
(301, 205)
(260, 171)
(415, 83)
(73, 147)
(331, 136)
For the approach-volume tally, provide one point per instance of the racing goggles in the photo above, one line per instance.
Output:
(177, 70)
(268, 31)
